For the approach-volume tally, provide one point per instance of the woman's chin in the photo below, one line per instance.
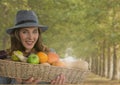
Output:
(29, 48)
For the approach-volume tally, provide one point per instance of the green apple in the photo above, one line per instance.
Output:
(15, 58)
(33, 59)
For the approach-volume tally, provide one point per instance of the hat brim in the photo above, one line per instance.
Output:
(42, 27)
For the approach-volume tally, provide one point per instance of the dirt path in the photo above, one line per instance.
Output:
(93, 79)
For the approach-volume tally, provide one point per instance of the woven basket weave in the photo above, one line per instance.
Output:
(47, 73)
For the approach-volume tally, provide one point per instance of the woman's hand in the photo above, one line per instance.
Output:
(28, 81)
(60, 80)
(31, 81)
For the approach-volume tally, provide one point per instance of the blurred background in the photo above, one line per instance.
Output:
(79, 29)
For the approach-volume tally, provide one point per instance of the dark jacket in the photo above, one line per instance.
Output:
(6, 80)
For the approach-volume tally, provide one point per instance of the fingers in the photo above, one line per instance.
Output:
(53, 82)
(60, 80)
(19, 80)
(36, 81)
(28, 81)
(31, 81)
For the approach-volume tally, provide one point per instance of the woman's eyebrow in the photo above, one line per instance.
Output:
(35, 30)
(24, 29)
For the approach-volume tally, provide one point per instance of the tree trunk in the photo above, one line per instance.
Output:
(98, 65)
(110, 63)
(93, 65)
(105, 67)
(115, 71)
(103, 59)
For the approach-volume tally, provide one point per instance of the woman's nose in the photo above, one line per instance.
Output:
(30, 36)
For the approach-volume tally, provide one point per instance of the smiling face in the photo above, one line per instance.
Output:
(29, 37)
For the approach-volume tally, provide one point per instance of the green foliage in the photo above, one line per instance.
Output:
(79, 24)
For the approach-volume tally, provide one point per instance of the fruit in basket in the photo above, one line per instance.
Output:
(19, 54)
(52, 57)
(59, 63)
(43, 58)
(3, 54)
(15, 58)
(33, 59)
(46, 64)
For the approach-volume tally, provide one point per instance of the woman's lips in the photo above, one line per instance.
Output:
(29, 42)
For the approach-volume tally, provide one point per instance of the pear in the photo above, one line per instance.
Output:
(15, 58)
(19, 54)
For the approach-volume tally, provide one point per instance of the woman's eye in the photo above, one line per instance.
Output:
(35, 31)
(24, 32)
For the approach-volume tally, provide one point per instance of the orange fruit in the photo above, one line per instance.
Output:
(59, 63)
(46, 64)
(43, 58)
(52, 57)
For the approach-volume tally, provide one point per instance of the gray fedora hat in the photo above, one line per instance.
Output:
(26, 18)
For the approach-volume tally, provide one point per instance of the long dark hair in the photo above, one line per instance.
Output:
(17, 45)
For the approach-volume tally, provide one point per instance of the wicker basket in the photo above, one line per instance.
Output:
(22, 70)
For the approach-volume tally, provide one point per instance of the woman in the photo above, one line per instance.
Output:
(26, 37)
